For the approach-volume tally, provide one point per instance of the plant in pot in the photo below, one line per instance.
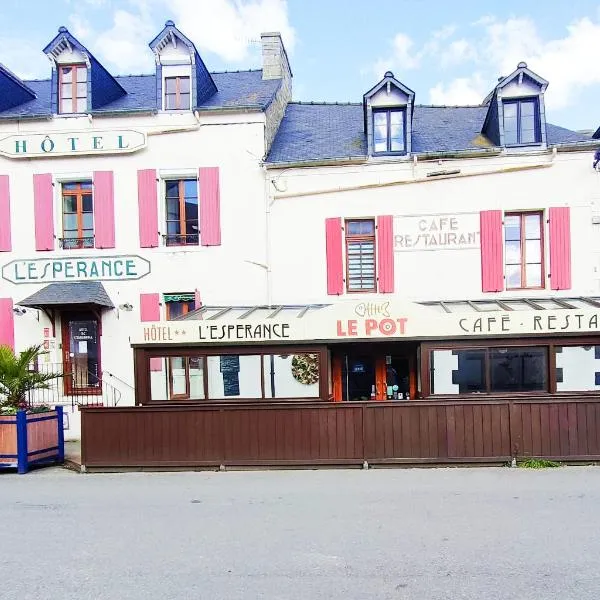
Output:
(25, 436)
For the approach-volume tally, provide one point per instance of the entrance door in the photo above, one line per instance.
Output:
(358, 377)
(81, 354)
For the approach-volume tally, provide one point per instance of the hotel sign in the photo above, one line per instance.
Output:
(99, 268)
(450, 231)
(353, 322)
(74, 143)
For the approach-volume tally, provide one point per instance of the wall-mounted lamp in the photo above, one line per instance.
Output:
(128, 307)
(19, 310)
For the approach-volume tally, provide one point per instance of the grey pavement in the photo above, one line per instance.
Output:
(481, 533)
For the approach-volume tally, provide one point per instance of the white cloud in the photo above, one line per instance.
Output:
(463, 90)
(458, 52)
(566, 62)
(230, 28)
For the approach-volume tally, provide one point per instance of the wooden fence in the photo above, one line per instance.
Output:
(312, 434)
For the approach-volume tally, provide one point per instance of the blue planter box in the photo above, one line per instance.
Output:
(28, 439)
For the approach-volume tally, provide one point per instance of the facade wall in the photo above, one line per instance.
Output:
(177, 145)
(421, 204)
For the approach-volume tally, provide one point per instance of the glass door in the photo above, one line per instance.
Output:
(81, 354)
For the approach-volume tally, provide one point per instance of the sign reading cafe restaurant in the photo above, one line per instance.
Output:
(72, 143)
(101, 268)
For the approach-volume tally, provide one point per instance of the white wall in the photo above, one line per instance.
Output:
(403, 190)
(226, 274)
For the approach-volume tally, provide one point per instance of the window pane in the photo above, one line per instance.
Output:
(85, 185)
(513, 253)
(81, 105)
(184, 85)
(512, 227)
(69, 204)
(291, 376)
(380, 131)
(513, 276)
(170, 85)
(510, 110)
(88, 220)
(191, 229)
(527, 108)
(81, 90)
(81, 74)
(458, 371)
(175, 309)
(528, 133)
(577, 368)
(70, 221)
(518, 369)
(66, 90)
(196, 374)
(184, 101)
(533, 253)
(510, 123)
(172, 188)
(532, 227)
(170, 101)
(190, 188)
(172, 208)
(178, 375)
(173, 227)
(233, 376)
(533, 273)
(361, 265)
(87, 203)
(360, 227)
(66, 74)
(397, 135)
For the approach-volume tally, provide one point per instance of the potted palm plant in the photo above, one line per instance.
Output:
(27, 435)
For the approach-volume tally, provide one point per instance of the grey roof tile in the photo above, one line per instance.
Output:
(235, 89)
(90, 293)
(313, 132)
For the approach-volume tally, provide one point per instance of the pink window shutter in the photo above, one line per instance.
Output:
(104, 209)
(43, 209)
(210, 206)
(492, 265)
(5, 235)
(147, 208)
(560, 248)
(335, 262)
(385, 253)
(149, 307)
(7, 323)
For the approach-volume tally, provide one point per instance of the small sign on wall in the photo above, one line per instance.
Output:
(436, 232)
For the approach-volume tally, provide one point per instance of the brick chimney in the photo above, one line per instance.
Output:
(275, 66)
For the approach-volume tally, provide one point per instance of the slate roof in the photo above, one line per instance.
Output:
(313, 132)
(236, 89)
(90, 293)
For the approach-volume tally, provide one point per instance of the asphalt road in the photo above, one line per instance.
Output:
(420, 534)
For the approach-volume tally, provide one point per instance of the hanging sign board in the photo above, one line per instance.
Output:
(72, 143)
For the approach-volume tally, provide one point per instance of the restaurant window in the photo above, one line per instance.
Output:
(521, 122)
(177, 93)
(524, 250)
(360, 255)
(77, 215)
(72, 89)
(577, 368)
(489, 370)
(177, 305)
(389, 131)
(181, 200)
(235, 377)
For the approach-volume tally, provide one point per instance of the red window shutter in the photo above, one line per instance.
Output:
(7, 323)
(104, 209)
(5, 235)
(333, 250)
(147, 208)
(43, 209)
(560, 248)
(385, 253)
(149, 307)
(492, 265)
(210, 206)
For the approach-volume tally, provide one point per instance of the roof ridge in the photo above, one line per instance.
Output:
(318, 103)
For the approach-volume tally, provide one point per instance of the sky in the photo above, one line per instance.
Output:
(447, 52)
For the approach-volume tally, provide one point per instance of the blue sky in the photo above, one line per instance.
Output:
(447, 52)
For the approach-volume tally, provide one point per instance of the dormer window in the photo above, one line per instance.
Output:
(521, 121)
(389, 131)
(72, 89)
(177, 93)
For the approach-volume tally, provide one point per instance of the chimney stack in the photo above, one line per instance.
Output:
(275, 60)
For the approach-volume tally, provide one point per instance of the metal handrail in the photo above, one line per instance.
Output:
(77, 243)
